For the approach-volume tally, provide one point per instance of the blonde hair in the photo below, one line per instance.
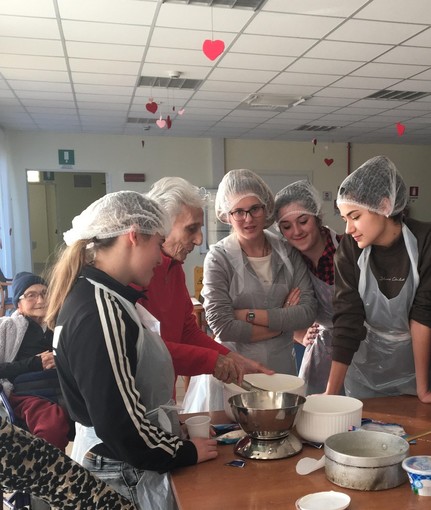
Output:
(70, 261)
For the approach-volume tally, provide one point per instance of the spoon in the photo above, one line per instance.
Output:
(308, 465)
(248, 386)
(416, 436)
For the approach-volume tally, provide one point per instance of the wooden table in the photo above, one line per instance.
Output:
(273, 485)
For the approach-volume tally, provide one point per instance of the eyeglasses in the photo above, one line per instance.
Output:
(33, 295)
(257, 211)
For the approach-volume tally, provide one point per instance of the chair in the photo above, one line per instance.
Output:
(6, 304)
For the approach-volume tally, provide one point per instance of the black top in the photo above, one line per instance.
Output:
(96, 359)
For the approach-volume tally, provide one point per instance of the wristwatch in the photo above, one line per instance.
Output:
(250, 316)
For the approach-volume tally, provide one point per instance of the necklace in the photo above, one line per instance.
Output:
(266, 250)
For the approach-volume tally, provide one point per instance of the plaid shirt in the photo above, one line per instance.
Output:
(325, 266)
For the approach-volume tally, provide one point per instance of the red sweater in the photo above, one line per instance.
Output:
(193, 352)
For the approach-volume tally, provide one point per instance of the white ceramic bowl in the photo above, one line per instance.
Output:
(276, 382)
(324, 415)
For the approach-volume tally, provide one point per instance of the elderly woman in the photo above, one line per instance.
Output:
(298, 213)
(251, 277)
(115, 371)
(382, 289)
(27, 364)
(167, 298)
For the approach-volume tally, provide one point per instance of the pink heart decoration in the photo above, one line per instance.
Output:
(168, 122)
(180, 112)
(212, 49)
(400, 128)
(328, 161)
(151, 107)
(161, 123)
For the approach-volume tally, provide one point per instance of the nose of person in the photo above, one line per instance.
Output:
(297, 229)
(350, 228)
(198, 238)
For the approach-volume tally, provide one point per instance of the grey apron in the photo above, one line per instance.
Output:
(154, 380)
(205, 392)
(276, 353)
(384, 363)
(317, 359)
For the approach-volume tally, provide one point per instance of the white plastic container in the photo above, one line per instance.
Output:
(419, 472)
(275, 382)
(324, 415)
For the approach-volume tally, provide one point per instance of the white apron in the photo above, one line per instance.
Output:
(384, 363)
(155, 386)
(317, 359)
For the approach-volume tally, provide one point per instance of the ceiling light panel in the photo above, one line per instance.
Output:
(169, 83)
(253, 5)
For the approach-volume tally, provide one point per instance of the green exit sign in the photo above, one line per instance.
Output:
(66, 157)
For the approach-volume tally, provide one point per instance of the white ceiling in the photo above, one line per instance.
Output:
(74, 65)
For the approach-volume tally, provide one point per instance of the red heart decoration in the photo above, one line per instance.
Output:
(328, 161)
(161, 123)
(212, 49)
(168, 122)
(151, 107)
(400, 128)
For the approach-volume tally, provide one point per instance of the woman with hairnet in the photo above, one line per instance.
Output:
(382, 289)
(114, 369)
(298, 213)
(249, 277)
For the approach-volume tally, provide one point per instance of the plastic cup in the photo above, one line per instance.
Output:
(419, 471)
(198, 426)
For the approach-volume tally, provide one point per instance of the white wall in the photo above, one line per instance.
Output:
(114, 155)
(274, 157)
(197, 160)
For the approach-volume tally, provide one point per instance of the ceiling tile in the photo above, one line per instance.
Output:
(120, 11)
(42, 8)
(407, 55)
(32, 62)
(292, 25)
(355, 30)
(112, 33)
(326, 8)
(36, 28)
(271, 45)
(104, 66)
(203, 18)
(347, 51)
(24, 46)
(104, 51)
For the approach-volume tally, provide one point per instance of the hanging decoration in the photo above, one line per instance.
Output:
(181, 111)
(161, 123)
(168, 122)
(314, 142)
(400, 128)
(328, 161)
(151, 106)
(213, 48)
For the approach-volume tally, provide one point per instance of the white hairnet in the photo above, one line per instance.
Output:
(303, 194)
(375, 185)
(116, 214)
(239, 184)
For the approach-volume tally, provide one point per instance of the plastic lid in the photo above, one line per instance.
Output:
(420, 464)
(330, 500)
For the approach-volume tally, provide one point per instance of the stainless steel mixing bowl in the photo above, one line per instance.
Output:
(266, 414)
